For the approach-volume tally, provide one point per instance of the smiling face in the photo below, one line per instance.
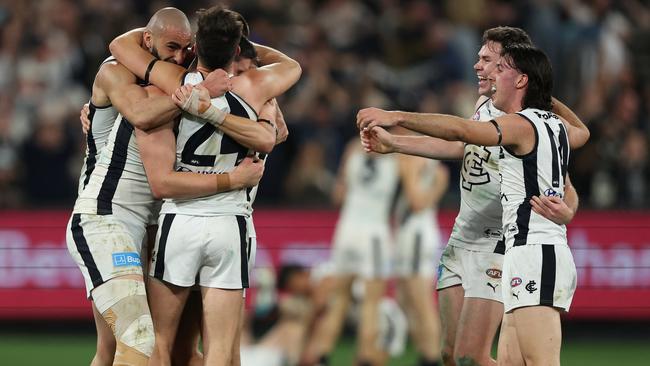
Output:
(488, 56)
(169, 44)
(509, 86)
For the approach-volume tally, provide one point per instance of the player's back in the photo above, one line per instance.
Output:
(478, 224)
(202, 148)
(371, 182)
(102, 116)
(119, 181)
(542, 171)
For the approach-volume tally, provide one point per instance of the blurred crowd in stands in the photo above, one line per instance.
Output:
(414, 55)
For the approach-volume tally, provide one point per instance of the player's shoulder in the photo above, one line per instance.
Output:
(482, 101)
(112, 72)
(192, 77)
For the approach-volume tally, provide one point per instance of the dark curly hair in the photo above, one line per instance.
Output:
(217, 37)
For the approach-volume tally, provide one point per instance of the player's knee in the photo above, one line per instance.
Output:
(123, 304)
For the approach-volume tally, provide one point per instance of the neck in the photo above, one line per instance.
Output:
(205, 70)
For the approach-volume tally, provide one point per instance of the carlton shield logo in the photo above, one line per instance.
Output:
(516, 281)
(493, 273)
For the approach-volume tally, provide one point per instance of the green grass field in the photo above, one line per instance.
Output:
(73, 350)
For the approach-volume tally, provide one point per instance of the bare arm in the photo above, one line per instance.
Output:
(158, 153)
(252, 134)
(381, 141)
(577, 130)
(140, 109)
(127, 49)
(278, 74)
(419, 198)
(514, 133)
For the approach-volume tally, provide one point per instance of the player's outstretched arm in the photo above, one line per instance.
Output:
(140, 109)
(580, 133)
(506, 130)
(158, 153)
(256, 135)
(381, 141)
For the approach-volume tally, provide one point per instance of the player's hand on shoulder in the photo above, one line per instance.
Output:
(367, 118)
(217, 82)
(83, 117)
(553, 208)
(247, 174)
(378, 140)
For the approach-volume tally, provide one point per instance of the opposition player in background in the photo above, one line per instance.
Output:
(366, 186)
(423, 183)
(116, 203)
(471, 265)
(535, 159)
(221, 278)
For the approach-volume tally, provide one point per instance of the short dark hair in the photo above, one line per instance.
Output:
(506, 36)
(217, 37)
(247, 50)
(535, 64)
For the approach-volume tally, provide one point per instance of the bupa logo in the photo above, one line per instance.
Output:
(126, 259)
(515, 281)
(552, 193)
(494, 273)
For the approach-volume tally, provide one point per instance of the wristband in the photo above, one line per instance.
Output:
(223, 182)
(264, 120)
(149, 68)
(499, 134)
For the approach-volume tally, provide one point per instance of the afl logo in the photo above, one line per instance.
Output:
(516, 281)
(494, 273)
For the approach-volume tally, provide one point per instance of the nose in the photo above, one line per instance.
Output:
(179, 57)
(476, 65)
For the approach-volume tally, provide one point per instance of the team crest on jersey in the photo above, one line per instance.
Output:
(473, 172)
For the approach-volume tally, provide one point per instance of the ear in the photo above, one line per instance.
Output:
(522, 81)
(237, 51)
(147, 39)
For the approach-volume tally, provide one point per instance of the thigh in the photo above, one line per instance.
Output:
(539, 333)
(477, 326)
(104, 248)
(450, 302)
(166, 302)
(508, 351)
(221, 317)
